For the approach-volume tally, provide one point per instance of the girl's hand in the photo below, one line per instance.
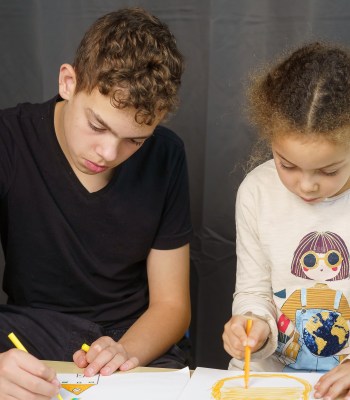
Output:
(105, 356)
(235, 337)
(334, 383)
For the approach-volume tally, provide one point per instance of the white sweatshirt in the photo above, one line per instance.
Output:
(293, 271)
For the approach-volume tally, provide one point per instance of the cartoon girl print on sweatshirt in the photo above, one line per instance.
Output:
(314, 323)
(321, 256)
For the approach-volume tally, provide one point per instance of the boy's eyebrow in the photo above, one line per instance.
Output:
(326, 166)
(102, 122)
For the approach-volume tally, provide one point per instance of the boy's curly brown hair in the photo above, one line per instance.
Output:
(132, 57)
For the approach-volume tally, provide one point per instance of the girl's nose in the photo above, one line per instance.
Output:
(308, 183)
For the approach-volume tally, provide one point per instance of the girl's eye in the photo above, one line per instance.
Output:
(286, 166)
(95, 128)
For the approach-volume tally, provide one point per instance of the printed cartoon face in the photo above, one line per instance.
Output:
(321, 256)
(323, 266)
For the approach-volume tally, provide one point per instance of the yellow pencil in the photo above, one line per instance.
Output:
(247, 355)
(14, 339)
(85, 347)
(16, 342)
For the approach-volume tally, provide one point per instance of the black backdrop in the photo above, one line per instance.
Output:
(222, 41)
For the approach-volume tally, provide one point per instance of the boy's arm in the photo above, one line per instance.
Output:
(168, 316)
(162, 324)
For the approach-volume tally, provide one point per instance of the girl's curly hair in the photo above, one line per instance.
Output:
(305, 93)
(308, 93)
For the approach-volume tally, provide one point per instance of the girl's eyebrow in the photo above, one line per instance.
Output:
(283, 158)
(326, 166)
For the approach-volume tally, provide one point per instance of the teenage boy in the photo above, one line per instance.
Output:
(94, 213)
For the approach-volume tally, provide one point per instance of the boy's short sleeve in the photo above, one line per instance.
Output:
(7, 157)
(175, 229)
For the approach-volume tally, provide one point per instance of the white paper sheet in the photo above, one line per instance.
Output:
(131, 386)
(215, 384)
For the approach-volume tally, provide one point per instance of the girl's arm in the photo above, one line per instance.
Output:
(253, 293)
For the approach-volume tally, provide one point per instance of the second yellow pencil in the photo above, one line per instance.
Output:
(247, 352)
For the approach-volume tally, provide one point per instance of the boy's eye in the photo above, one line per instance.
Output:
(330, 173)
(95, 128)
(137, 142)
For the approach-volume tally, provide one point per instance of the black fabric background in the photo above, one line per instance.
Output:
(222, 41)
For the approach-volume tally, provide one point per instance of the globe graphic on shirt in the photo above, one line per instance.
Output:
(326, 333)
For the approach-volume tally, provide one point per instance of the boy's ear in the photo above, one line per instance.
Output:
(66, 81)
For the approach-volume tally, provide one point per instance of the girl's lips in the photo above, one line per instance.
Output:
(94, 167)
(310, 200)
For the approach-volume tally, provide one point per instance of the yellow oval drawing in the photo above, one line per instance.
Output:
(233, 388)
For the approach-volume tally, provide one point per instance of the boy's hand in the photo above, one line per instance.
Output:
(235, 337)
(22, 376)
(334, 383)
(105, 356)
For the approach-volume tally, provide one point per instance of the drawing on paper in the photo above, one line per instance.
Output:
(283, 386)
(77, 383)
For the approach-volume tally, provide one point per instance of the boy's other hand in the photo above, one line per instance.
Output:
(105, 356)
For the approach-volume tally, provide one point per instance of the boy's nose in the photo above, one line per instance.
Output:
(109, 149)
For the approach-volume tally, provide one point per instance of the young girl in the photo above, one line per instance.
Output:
(292, 217)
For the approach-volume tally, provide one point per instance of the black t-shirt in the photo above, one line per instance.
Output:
(85, 253)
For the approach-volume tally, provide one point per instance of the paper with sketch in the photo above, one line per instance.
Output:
(131, 386)
(215, 384)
